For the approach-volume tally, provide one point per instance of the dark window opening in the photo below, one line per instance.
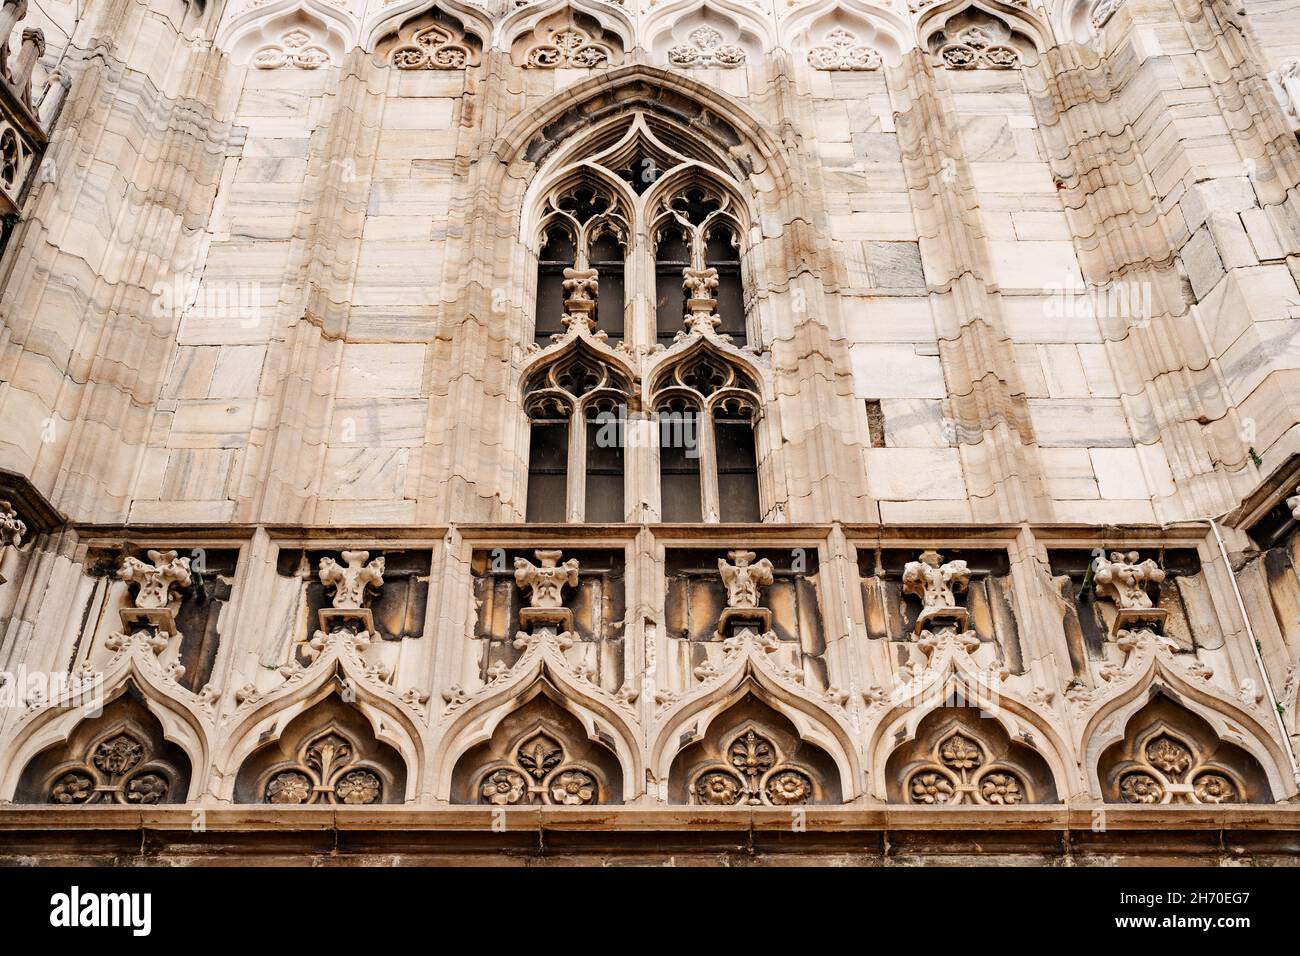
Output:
(679, 466)
(737, 471)
(607, 259)
(876, 423)
(722, 253)
(604, 499)
(548, 466)
(672, 256)
(557, 254)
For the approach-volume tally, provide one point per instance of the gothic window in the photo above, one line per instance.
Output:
(576, 407)
(708, 465)
(697, 248)
(584, 237)
(959, 757)
(328, 754)
(120, 757)
(1170, 755)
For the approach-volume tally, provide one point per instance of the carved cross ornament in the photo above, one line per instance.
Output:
(1124, 579)
(743, 578)
(154, 584)
(353, 579)
(937, 583)
(546, 583)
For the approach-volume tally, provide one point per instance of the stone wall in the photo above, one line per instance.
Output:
(1019, 285)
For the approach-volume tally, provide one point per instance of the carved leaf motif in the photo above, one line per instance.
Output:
(1002, 789)
(72, 788)
(359, 787)
(961, 753)
(1215, 788)
(931, 788)
(540, 755)
(573, 787)
(752, 755)
(1169, 756)
(503, 788)
(789, 787)
(148, 788)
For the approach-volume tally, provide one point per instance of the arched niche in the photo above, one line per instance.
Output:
(433, 40)
(538, 754)
(704, 36)
(118, 757)
(1171, 755)
(843, 38)
(567, 38)
(752, 754)
(959, 757)
(974, 39)
(328, 754)
(293, 38)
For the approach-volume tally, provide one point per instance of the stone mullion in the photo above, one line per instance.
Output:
(994, 433)
(706, 445)
(576, 486)
(295, 405)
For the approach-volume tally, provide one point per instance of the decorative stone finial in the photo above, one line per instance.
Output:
(936, 584)
(12, 527)
(353, 583)
(1123, 579)
(581, 292)
(545, 585)
(154, 584)
(701, 288)
(154, 604)
(742, 579)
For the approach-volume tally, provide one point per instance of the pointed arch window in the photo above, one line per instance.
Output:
(708, 466)
(584, 238)
(697, 261)
(576, 408)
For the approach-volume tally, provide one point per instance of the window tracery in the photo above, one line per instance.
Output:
(432, 48)
(705, 46)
